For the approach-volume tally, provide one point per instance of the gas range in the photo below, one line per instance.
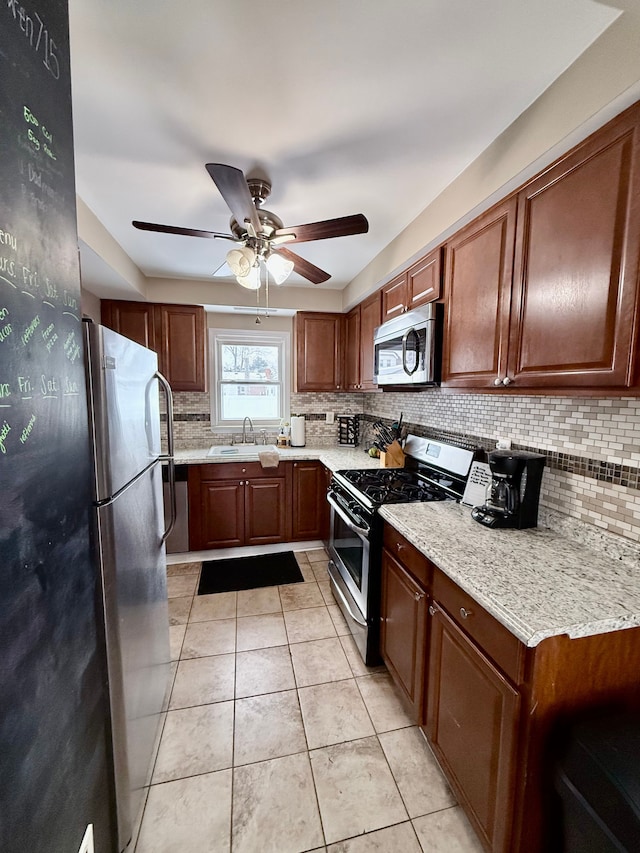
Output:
(435, 472)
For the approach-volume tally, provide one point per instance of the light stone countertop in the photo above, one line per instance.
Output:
(536, 582)
(335, 457)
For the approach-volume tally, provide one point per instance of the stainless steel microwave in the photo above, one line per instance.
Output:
(407, 348)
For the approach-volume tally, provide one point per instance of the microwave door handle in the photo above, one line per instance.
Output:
(405, 338)
(361, 531)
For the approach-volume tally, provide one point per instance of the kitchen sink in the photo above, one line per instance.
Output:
(231, 450)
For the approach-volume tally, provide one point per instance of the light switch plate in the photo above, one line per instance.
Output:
(87, 841)
(330, 417)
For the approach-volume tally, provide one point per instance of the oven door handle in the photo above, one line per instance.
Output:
(361, 531)
(337, 589)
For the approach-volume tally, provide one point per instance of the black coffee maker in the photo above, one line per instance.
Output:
(514, 490)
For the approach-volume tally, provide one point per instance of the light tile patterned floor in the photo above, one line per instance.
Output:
(278, 739)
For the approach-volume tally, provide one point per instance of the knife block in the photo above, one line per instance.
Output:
(392, 457)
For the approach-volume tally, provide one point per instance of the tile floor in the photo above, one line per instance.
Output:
(278, 738)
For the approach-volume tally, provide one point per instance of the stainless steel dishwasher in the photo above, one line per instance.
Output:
(178, 541)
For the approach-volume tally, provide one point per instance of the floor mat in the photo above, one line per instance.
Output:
(249, 572)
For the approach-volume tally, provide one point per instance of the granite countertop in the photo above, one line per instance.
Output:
(537, 583)
(334, 457)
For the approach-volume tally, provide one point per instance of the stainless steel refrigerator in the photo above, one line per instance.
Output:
(129, 527)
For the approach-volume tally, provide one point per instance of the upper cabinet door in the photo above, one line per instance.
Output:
(318, 345)
(394, 297)
(576, 265)
(352, 350)
(478, 299)
(182, 346)
(424, 279)
(370, 319)
(134, 320)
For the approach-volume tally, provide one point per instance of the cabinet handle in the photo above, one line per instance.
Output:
(399, 546)
(506, 381)
(418, 596)
(497, 381)
(432, 610)
(465, 613)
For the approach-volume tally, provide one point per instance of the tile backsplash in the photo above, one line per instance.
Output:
(592, 444)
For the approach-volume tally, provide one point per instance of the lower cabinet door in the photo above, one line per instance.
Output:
(309, 498)
(472, 723)
(265, 511)
(221, 514)
(403, 623)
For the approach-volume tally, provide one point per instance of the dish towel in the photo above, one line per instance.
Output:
(269, 458)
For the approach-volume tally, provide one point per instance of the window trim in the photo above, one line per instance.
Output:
(254, 337)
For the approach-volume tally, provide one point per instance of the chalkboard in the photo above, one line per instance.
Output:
(52, 715)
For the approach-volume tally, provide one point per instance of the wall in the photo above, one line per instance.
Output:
(89, 305)
(598, 85)
(591, 444)
(55, 775)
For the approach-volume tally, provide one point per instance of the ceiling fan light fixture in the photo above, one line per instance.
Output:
(252, 280)
(241, 261)
(279, 268)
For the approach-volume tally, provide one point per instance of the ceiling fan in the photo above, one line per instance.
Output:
(261, 233)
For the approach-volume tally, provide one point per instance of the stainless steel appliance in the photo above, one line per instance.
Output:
(514, 490)
(129, 529)
(178, 541)
(407, 349)
(434, 471)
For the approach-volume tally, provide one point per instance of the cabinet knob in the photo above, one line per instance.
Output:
(418, 596)
(244, 470)
(506, 381)
(432, 610)
(399, 546)
(337, 386)
(465, 613)
(497, 381)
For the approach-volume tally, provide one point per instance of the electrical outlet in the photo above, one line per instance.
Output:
(330, 417)
(87, 841)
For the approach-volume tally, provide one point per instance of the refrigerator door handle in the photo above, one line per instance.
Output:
(169, 457)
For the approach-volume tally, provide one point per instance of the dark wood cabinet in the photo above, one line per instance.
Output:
(233, 504)
(370, 319)
(490, 705)
(175, 332)
(479, 274)
(576, 267)
(310, 508)
(134, 320)
(359, 325)
(352, 340)
(472, 725)
(394, 297)
(265, 510)
(419, 284)
(542, 290)
(318, 351)
(403, 622)
(182, 345)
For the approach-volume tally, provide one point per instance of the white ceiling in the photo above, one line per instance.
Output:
(349, 106)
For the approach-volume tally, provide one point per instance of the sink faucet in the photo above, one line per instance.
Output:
(244, 430)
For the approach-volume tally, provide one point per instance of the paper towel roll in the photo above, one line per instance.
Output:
(297, 431)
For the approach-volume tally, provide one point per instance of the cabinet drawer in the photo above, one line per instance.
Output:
(494, 639)
(240, 470)
(407, 554)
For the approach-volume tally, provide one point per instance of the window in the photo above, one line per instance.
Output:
(249, 377)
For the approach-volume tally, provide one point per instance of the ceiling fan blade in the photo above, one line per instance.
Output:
(223, 271)
(185, 232)
(304, 268)
(233, 188)
(343, 226)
